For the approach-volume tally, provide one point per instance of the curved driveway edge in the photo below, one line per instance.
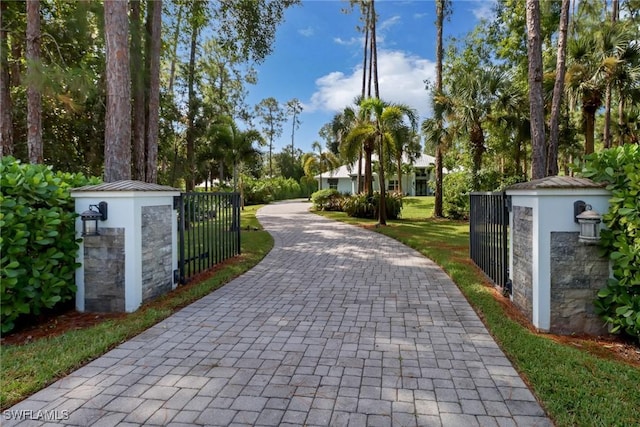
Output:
(336, 326)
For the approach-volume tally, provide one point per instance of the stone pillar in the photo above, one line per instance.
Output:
(555, 277)
(133, 258)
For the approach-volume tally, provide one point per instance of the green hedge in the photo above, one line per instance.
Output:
(456, 187)
(327, 200)
(363, 206)
(619, 302)
(38, 245)
(263, 191)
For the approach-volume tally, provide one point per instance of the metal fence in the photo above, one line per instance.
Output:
(208, 231)
(488, 232)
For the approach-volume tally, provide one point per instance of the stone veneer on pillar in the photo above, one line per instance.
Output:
(133, 258)
(555, 277)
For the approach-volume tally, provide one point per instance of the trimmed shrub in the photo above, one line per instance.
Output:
(456, 187)
(327, 200)
(38, 244)
(363, 206)
(619, 302)
(308, 185)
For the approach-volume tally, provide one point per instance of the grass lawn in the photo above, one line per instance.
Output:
(27, 368)
(575, 386)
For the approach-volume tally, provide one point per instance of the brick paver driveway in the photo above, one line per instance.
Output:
(337, 326)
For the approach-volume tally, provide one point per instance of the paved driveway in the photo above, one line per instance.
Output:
(336, 326)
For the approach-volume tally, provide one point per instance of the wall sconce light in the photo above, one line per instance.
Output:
(589, 221)
(91, 217)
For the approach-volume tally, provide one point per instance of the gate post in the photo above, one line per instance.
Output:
(132, 258)
(555, 278)
(178, 205)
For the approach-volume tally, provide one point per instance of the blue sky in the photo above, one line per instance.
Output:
(318, 58)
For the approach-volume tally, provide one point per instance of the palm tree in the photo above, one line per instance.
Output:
(404, 138)
(235, 147)
(468, 106)
(384, 119)
(438, 138)
(341, 125)
(620, 69)
(357, 138)
(241, 149)
(315, 164)
(598, 59)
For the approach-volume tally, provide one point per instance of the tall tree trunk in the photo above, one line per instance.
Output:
(174, 56)
(154, 38)
(370, 74)
(382, 206)
(516, 157)
(138, 92)
(34, 97)
(360, 180)
(477, 146)
(117, 134)
(293, 133)
(399, 167)
(368, 173)
(536, 102)
(15, 68)
(606, 131)
(525, 167)
(558, 90)
(589, 112)
(271, 151)
(191, 115)
(374, 50)
(621, 119)
(440, 11)
(365, 49)
(6, 119)
(615, 11)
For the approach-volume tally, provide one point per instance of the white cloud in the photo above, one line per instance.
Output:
(306, 32)
(420, 15)
(350, 42)
(388, 23)
(401, 78)
(484, 9)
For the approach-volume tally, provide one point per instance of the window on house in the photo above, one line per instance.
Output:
(393, 185)
(333, 183)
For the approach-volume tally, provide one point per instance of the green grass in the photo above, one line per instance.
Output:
(28, 368)
(575, 386)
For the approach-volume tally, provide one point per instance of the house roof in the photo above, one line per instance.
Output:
(341, 172)
(348, 171)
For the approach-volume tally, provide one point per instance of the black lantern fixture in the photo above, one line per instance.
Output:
(589, 221)
(91, 217)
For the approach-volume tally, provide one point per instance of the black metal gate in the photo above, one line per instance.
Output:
(488, 233)
(208, 231)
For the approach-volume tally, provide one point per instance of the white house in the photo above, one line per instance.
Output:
(345, 178)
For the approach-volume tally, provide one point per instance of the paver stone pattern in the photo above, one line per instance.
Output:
(337, 326)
